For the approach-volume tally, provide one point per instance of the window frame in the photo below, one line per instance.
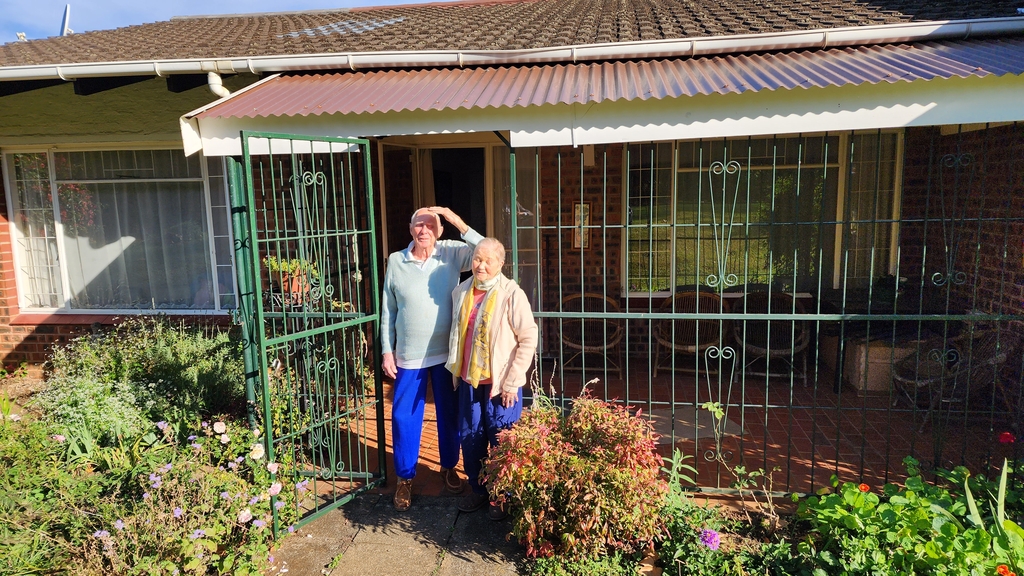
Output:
(16, 235)
(841, 199)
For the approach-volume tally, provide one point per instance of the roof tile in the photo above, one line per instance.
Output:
(477, 25)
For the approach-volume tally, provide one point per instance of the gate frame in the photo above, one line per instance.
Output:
(249, 313)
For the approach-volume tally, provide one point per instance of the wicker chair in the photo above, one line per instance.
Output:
(592, 335)
(947, 371)
(691, 337)
(772, 340)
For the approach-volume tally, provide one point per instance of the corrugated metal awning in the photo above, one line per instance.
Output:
(538, 85)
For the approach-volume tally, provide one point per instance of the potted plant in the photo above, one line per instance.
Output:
(291, 276)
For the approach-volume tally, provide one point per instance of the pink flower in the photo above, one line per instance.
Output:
(274, 489)
(219, 427)
(244, 516)
(272, 467)
(224, 439)
(58, 437)
(1007, 438)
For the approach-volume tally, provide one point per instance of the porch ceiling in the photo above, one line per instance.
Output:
(521, 86)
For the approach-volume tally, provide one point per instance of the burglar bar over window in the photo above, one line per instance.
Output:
(834, 293)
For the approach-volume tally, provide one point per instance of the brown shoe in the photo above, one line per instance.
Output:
(452, 482)
(403, 495)
(472, 502)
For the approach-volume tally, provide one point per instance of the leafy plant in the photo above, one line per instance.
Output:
(1007, 535)
(915, 529)
(290, 266)
(579, 485)
(142, 371)
(175, 500)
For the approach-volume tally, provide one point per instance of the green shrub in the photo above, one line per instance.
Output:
(919, 528)
(144, 369)
(582, 485)
(172, 501)
(614, 565)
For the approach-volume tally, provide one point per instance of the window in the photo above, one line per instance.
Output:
(724, 213)
(120, 230)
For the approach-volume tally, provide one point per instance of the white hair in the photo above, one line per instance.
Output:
(494, 245)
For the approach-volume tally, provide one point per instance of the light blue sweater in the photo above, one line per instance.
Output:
(416, 308)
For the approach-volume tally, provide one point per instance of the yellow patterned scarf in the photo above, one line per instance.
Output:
(480, 356)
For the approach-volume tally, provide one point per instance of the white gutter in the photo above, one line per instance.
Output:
(824, 38)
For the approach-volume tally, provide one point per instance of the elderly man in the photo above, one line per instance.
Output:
(415, 321)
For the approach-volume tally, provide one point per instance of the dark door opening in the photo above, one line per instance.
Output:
(459, 185)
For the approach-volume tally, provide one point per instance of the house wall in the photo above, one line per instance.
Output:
(982, 207)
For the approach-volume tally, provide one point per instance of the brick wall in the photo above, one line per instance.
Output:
(979, 202)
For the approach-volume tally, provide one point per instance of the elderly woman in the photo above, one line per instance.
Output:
(491, 347)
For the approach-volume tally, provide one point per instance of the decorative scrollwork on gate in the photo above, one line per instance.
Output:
(954, 213)
(722, 223)
(721, 355)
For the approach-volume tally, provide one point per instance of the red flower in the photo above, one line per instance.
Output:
(1007, 438)
(1003, 569)
(864, 488)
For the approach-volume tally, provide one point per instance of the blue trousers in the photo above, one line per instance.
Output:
(480, 419)
(407, 417)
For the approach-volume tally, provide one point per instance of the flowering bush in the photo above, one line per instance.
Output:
(157, 505)
(581, 485)
(142, 371)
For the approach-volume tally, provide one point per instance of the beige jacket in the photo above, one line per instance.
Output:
(513, 339)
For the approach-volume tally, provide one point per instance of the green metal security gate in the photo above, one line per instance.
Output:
(307, 274)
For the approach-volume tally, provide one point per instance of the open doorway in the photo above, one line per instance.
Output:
(416, 177)
(459, 185)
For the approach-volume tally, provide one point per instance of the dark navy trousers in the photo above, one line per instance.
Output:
(407, 417)
(480, 419)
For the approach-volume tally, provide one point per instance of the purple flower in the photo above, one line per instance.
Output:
(291, 529)
(225, 495)
(154, 477)
(205, 424)
(145, 495)
(197, 445)
(240, 459)
(119, 524)
(166, 468)
(177, 512)
(198, 534)
(232, 465)
(259, 523)
(101, 534)
(192, 437)
(157, 483)
(710, 538)
(161, 425)
(279, 504)
(254, 500)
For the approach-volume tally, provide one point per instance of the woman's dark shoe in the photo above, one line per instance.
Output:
(472, 502)
(496, 511)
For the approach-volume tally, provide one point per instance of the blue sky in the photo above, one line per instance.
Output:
(42, 18)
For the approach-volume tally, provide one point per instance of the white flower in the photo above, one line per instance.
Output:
(15, 417)
(224, 439)
(256, 432)
(244, 516)
(272, 467)
(257, 452)
(219, 427)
